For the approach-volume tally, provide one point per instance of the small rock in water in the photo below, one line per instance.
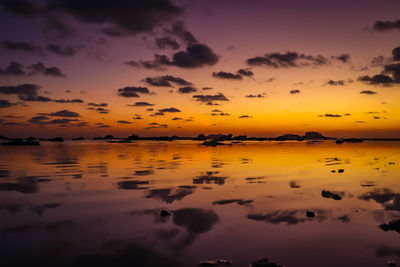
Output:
(333, 171)
(340, 170)
(391, 163)
(310, 214)
(165, 213)
(328, 194)
(391, 226)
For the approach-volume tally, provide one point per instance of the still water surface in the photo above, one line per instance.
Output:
(90, 203)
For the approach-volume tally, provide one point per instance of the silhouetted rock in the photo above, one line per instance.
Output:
(109, 137)
(201, 137)
(56, 139)
(21, 143)
(212, 143)
(78, 138)
(240, 137)
(30, 138)
(340, 171)
(310, 214)
(391, 226)
(264, 263)
(164, 213)
(289, 137)
(314, 136)
(339, 141)
(133, 137)
(328, 194)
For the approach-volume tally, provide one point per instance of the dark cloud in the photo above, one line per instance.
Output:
(167, 42)
(6, 104)
(61, 51)
(245, 117)
(386, 25)
(294, 91)
(21, 46)
(141, 104)
(40, 68)
(377, 79)
(61, 113)
(226, 75)
(256, 96)
(169, 110)
(335, 82)
(176, 119)
(179, 29)
(195, 56)
(75, 100)
(166, 81)
(13, 69)
(124, 122)
(396, 53)
(25, 92)
(286, 60)
(131, 91)
(207, 88)
(343, 58)
(210, 99)
(393, 69)
(390, 73)
(244, 72)
(368, 92)
(329, 115)
(102, 110)
(187, 90)
(117, 18)
(98, 105)
(220, 114)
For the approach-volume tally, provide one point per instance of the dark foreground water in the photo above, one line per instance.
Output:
(88, 203)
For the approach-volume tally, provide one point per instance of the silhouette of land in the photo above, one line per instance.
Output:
(208, 140)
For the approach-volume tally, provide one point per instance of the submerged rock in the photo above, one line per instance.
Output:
(328, 194)
(264, 263)
(391, 226)
(212, 143)
(165, 213)
(310, 214)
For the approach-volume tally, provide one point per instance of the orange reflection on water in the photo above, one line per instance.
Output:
(239, 202)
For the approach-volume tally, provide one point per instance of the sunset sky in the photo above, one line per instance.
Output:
(167, 67)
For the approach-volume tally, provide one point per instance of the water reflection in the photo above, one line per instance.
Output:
(93, 203)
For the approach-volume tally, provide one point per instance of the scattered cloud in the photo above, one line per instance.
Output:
(166, 81)
(286, 60)
(187, 90)
(294, 91)
(368, 92)
(141, 104)
(131, 91)
(210, 99)
(386, 25)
